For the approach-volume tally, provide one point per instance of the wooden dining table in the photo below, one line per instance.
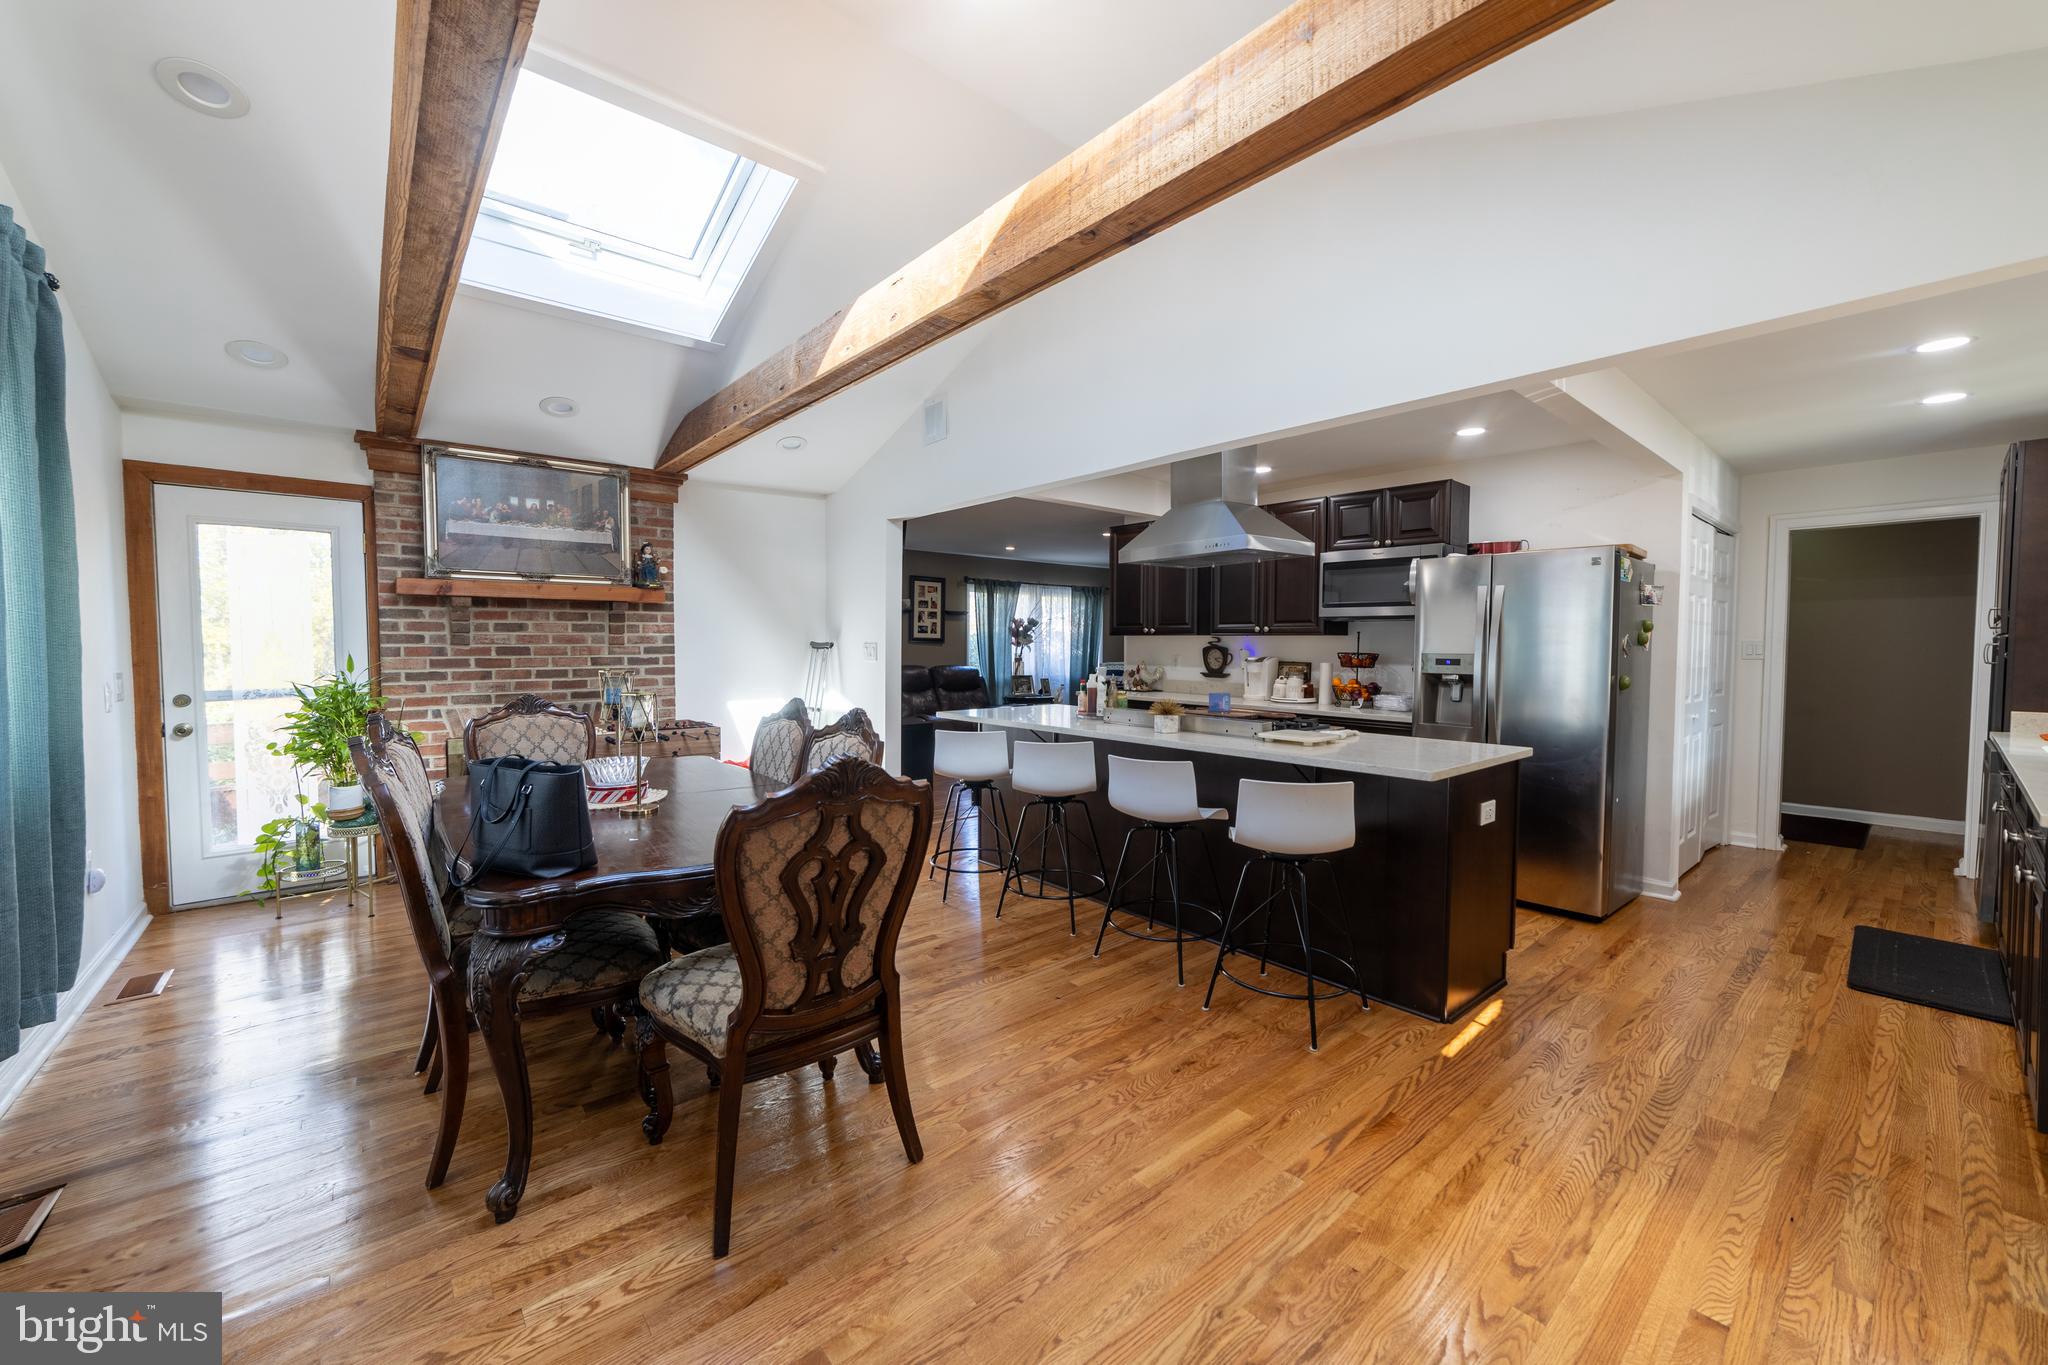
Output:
(657, 864)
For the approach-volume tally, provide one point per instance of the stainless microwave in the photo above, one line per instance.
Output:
(1377, 582)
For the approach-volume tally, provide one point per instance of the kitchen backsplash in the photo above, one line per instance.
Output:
(1181, 655)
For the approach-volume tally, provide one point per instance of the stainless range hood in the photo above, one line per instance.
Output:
(1216, 518)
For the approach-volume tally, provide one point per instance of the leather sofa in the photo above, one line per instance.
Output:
(926, 692)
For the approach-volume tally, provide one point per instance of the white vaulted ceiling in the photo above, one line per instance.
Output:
(175, 233)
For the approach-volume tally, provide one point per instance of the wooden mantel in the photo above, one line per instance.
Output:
(511, 589)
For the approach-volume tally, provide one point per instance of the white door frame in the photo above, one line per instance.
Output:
(1777, 588)
(1726, 762)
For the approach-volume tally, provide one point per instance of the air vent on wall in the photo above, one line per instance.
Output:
(934, 421)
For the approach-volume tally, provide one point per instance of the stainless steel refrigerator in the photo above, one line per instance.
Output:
(1550, 649)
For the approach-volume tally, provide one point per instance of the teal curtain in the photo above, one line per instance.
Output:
(1084, 650)
(42, 722)
(990, 605)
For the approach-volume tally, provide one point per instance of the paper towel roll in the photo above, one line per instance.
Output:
(1324, 697)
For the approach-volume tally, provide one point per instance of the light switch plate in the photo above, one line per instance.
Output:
(870, 651)
(1487, 811)
(1752, 649)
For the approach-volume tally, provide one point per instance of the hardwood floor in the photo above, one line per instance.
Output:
(1677, 1136)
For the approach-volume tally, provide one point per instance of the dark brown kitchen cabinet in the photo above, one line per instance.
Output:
(2013, 884)
(1294, 587)
(1149, 599)
(1438, 513)
(2018, 651)
(1356, 521)
(1275, 597)
(1128, 586)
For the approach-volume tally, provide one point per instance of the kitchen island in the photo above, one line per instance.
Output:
(1429, 888)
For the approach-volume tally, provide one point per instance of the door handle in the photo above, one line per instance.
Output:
(181, 730)
(1995, 619)
(1990, 648)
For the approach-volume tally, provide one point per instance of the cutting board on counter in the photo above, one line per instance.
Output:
(1328, 735)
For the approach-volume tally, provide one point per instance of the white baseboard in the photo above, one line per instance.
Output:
(1871, 817)
(1660, 891)
(1744, 838)
(38, 1043)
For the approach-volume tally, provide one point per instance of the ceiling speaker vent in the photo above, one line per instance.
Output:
(934, 421)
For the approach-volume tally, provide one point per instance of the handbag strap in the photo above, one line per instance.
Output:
(482, 815)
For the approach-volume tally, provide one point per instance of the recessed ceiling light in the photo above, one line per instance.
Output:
(1937, 399)
(1943, 344)
(1011, 548)
(559, 406)
(1471, 431)
(1105, 535)
(198, 86)
(791, 443)
(1262, 469)
(262, 356)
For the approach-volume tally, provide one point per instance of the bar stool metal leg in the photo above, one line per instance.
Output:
(1055, 834)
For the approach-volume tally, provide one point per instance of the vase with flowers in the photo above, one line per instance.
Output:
(1023, 630)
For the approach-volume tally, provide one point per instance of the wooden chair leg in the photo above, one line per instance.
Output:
(864, 1053)
(597, 1017)
(728, 1158)
(615, 1018)
(453, 1055)
(428, 1038)
(828, 1065)
(899, 1082)
(654, 1083)
(433, 1073)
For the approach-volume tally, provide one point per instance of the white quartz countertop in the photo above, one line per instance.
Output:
(1398, 756)
(1358, 715)
(2028, 758)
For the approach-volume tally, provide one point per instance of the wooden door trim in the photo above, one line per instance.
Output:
(139, 482)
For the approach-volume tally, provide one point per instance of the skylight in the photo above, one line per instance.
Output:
(597, 209)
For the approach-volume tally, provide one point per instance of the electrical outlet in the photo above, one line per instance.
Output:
(120, 687)
(1487, 811)
(870, 651)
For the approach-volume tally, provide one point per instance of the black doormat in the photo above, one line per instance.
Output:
(1818, 829)
(1955, 977)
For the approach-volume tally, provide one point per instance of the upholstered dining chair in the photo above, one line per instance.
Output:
(599, 968)
(852, 735)
(779, 744)
(531, 727)
(814, 884)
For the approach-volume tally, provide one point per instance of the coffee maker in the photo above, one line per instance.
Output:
(1258, 677)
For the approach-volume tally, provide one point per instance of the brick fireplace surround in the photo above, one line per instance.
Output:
(446, 661)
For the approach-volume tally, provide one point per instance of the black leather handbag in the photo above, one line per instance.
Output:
(527, 819)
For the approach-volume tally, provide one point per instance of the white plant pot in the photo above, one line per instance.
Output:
(344, 801)
(1166, 725)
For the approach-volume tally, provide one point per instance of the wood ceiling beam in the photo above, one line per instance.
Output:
(1315, 73)
(457, 61)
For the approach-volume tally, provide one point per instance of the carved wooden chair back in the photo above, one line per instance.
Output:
(853, 734)
(531, 727)
(780, 741)
(395, 779)
(814, 884)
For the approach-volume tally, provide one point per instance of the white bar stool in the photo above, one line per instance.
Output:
(974, 759)
(1052, 775)
(1161, 798)
(1291, 824)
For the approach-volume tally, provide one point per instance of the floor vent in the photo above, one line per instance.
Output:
(142, 987)
(21, 1218)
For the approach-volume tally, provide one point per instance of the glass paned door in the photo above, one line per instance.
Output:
(256, 591)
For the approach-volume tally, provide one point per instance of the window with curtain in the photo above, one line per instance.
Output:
(42, 721)
(1067, 645)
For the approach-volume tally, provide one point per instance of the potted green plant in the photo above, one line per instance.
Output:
(1166, 714)
(314, 735)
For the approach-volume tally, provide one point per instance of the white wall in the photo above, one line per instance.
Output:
(1945, 476)
(254, 447)
(1342, 287)
(749, 582)
(115, 915)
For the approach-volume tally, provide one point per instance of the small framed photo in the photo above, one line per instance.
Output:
(1020, 683)
(927, 610)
